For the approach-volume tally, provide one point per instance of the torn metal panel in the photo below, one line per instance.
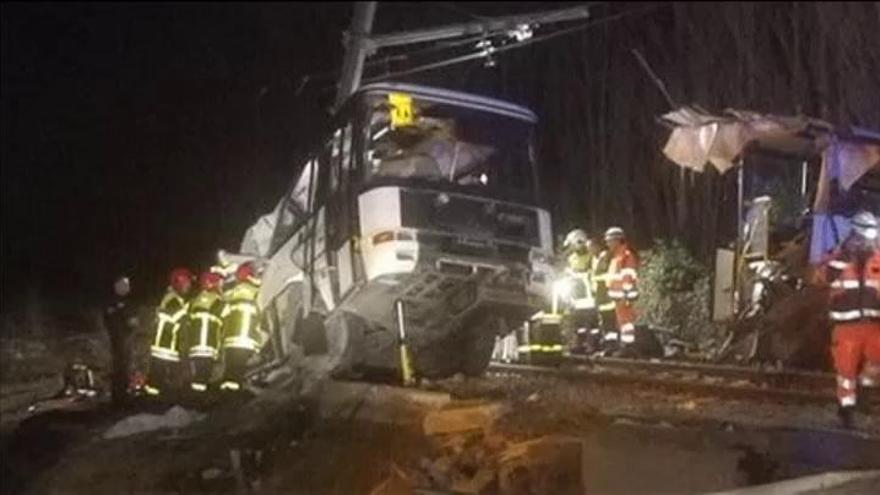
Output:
(699, 137)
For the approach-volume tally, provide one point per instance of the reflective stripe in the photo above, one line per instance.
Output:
(201, 315)
(544, 348)
(845, 284)
(838, 265)
(244, 307)
(854, 314)
(846, 383)
(550, 319)
(241, 342)
(198, 387)
(180, 313)
(848, 400)
(163, 316)
(606, 307)
(166, 318)
(611, 336)
(867, 381)
(551, 348)
(629, 272)
(151, 390)
(627, 327)
(203, 351)
(164, 354)
(523, 348)
(229, 385)
(616, 294)
(587, 303)
(627, 338)
(632, 295)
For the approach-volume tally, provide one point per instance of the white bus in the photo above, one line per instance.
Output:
(420, 195)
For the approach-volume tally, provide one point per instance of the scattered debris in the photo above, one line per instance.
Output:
(175, 418)
(550, 464)
(461, 419)
(397, 483)
(377, 403)
(485, 481)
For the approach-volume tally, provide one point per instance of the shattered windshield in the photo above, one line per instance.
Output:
(437, 142)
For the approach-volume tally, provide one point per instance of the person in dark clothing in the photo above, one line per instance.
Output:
(121, 323)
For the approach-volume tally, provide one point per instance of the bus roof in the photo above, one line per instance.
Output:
(458, 98)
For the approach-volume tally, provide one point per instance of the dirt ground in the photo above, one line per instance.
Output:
(488, 435)
(356, 438)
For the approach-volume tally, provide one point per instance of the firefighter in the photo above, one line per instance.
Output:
(605, 331)
(853, 273)
(622, 282)
(241, 333)
(204, 330)
(121, 323)
(581, 316)
(165, 350)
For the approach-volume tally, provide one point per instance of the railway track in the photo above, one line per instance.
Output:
(733, 382)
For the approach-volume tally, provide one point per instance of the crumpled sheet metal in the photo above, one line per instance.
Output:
(699, 138)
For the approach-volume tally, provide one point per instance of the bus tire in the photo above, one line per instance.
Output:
(478, 343)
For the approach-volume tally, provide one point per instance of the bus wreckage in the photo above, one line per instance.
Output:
(408, 241)
(797, 182)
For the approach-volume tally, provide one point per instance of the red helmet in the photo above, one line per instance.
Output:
(211, 281)
(247, 272)
(181, 280)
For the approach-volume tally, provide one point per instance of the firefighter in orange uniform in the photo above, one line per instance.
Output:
(622, 280)
(853, 274)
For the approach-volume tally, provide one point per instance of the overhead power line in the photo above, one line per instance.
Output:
(503, 49)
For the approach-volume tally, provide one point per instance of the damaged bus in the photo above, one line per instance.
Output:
(418, 219)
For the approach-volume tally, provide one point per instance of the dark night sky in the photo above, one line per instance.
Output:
(136, 137)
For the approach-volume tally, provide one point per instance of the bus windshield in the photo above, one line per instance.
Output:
(487, 153)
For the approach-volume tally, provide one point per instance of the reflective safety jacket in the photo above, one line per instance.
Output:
(623, 276)
(241, 318)
(170, 315)
(599, 279)
(205, 325)
(579, 262)
(855, 287)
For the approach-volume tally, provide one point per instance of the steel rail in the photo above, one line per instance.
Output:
(725, 389)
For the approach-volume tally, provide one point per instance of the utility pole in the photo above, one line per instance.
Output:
(360, 43)
(356, 49)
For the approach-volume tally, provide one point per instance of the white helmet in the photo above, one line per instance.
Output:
(122, 286)
(577, 238)
(614, 233)
(865, 225)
